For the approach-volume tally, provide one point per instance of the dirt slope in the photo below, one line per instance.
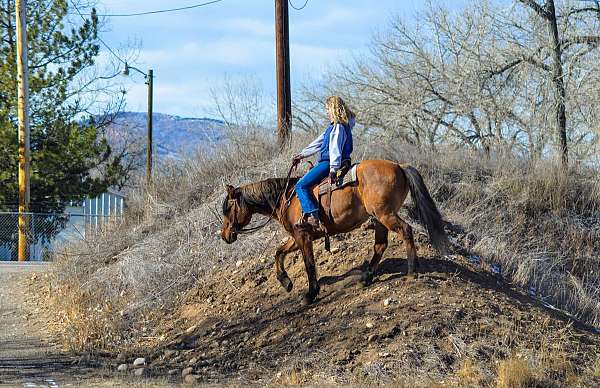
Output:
(454, 324)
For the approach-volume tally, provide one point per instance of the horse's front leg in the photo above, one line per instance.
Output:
(287, 247)
(306, 246)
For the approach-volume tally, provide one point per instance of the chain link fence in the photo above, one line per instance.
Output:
(46, 232)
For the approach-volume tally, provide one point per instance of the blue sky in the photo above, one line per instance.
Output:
(191, 51)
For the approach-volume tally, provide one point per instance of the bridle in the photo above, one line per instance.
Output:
(234, 226)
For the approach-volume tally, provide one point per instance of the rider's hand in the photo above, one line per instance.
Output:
(332, 177)
(296, 159)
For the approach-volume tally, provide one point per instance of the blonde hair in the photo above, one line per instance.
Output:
(340, 111)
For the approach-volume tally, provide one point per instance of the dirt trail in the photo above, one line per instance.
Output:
(242, 326)
(27, 355)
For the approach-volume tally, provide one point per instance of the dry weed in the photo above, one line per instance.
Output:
(515, 372)
(469, 373)
(543, 227)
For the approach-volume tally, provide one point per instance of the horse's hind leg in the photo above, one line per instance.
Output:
(381, 243)
(287, 247)
(306, 246)
(398, 225)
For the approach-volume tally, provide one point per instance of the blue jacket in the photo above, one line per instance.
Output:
(334, 145)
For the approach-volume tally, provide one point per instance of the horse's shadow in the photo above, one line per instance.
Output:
(393, 266)
(443, 269)
(433, 268)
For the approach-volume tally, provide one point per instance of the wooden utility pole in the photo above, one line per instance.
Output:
(284, 93)
(149, 81)
(23, 114)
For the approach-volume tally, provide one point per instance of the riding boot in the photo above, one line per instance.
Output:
(309, 222)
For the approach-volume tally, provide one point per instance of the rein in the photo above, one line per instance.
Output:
(270, 218)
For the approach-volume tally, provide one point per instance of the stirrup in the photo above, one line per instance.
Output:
(305, 224)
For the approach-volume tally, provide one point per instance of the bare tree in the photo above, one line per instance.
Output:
(244, 108)
(488, 78)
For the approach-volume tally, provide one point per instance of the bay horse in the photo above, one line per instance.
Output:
(380, 193)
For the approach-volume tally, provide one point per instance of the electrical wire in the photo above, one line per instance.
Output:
(100, 39)
(115, 15)
(298, 9)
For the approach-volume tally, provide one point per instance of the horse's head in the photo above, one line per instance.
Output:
(235, 215)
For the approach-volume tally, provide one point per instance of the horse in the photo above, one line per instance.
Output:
(379, 194)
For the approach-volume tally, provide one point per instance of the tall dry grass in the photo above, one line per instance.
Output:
(166, 243)
(541, 224)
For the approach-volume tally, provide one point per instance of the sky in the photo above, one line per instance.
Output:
(193, 51)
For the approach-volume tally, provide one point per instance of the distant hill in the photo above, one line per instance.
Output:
(173, 136)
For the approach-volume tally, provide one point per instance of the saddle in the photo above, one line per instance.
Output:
(346, 176)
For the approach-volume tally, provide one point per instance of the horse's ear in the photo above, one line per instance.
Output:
(230, 190)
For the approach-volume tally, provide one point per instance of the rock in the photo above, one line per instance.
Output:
(238, 263)
(372, 337)
(369, 325)
(191, 329)
(169, 353)
(140, 372)
(187, 371)
(172, 372)
(191, 379)
(122, 368)
(384, 354)
(192, 361)
(140, 361)
(386, 302)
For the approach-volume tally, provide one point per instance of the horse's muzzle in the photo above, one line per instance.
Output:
(229, 239)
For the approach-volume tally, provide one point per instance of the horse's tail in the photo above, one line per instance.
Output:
(429, 215)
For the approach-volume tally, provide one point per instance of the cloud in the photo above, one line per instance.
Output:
(178, 98)
(250, 26)
(306, 57)
(230, 51)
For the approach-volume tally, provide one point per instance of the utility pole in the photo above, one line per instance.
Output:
(23, 114)
(149, 82)
(282, 53)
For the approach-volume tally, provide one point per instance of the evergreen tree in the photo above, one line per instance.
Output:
(70, 158)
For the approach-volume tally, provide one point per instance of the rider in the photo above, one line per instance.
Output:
(334, 146)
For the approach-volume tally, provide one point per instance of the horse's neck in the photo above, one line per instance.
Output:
(269, 204)
(265, 210)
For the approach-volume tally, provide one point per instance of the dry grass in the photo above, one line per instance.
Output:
(541, 225)
(515, 373)
(469, 374)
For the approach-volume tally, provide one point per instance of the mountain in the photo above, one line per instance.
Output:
(173, 136)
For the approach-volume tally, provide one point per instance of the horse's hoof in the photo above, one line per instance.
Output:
(412, 276)
(286, 283)
(366, 278)
(310, 296)
(288, 287)
(308, 299)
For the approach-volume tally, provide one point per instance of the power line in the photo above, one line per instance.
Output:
(298, 9)
(114, 15)
(100, 39)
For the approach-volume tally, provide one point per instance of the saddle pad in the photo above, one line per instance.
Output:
(349, 178)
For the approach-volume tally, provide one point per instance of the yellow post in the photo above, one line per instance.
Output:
(23, 113)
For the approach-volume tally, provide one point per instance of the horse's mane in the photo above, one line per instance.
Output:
(263, 196)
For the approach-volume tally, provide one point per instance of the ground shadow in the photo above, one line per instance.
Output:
(439, 268)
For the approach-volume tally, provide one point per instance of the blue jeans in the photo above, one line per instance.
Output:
(305, 185)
